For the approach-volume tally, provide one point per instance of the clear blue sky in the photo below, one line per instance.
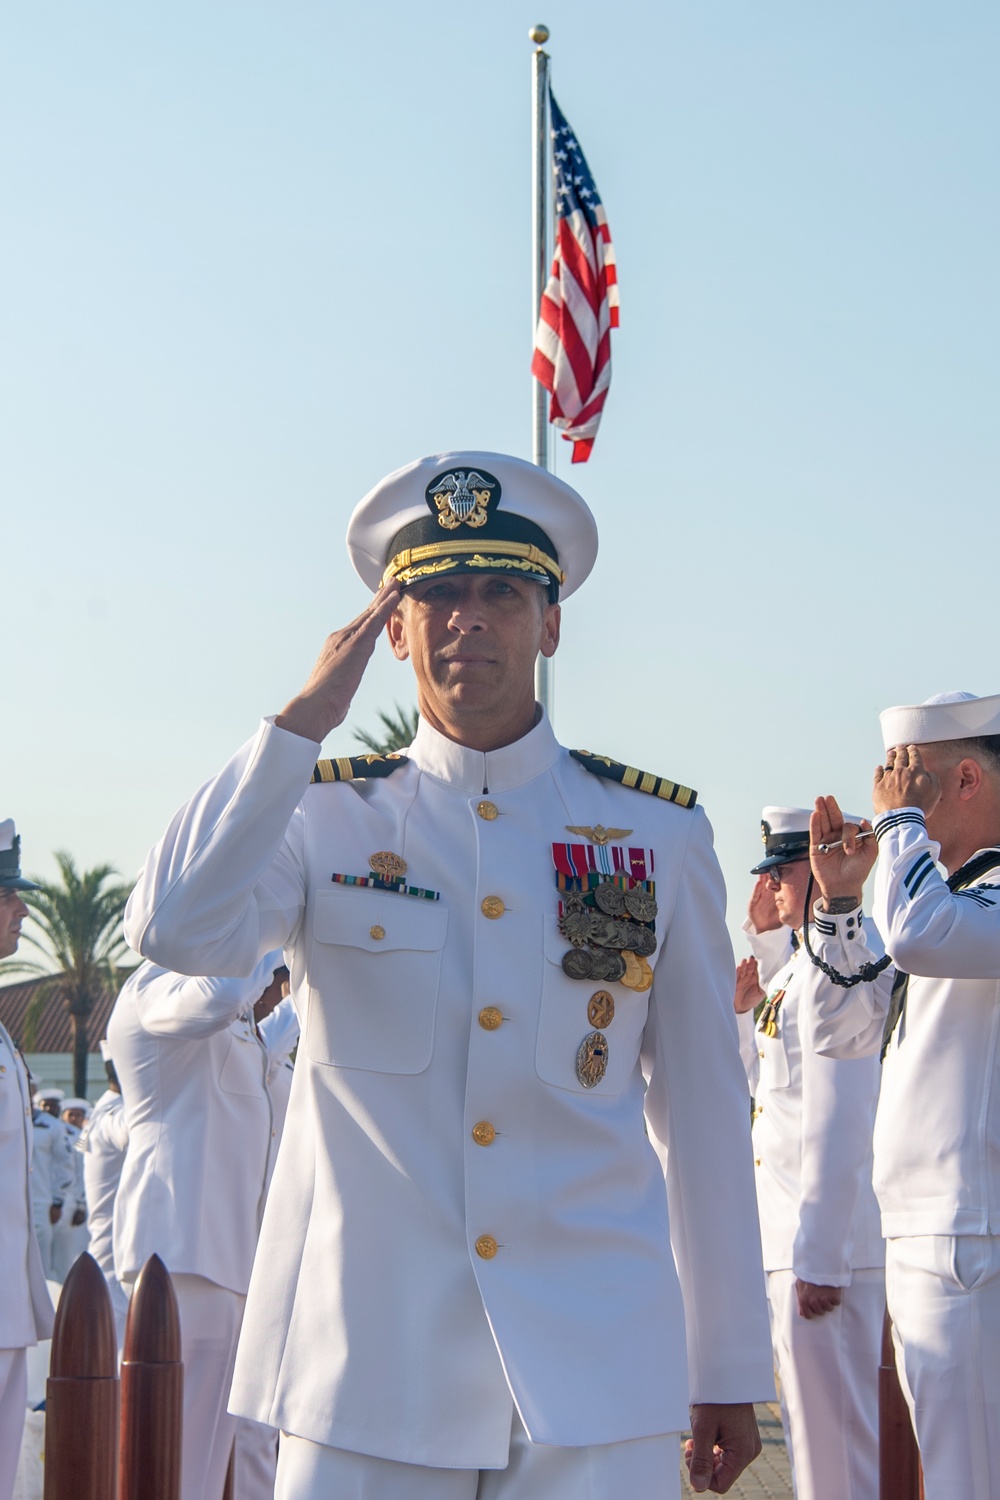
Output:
(257, 255)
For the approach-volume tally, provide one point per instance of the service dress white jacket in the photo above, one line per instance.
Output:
(199, 1123)
(813, 1124)
(52, 1170)
(937, 1132)
(372, 1322)
(25, 1305)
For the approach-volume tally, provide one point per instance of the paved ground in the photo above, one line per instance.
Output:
(769, 1478)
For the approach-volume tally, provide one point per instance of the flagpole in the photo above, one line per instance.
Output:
(539, 271)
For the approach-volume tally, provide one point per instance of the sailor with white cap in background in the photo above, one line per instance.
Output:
(812, 1135)
(25, 1305)
(465, 1283)
(937, 1134)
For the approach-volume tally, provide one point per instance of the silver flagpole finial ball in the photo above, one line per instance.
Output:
(539, 34)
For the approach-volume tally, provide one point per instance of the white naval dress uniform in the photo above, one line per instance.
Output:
(819, 1222)
(25, 1306)
(51, 1179)
(104, 1142)
(937, 1147)
(412, 1286)
(200, 1150)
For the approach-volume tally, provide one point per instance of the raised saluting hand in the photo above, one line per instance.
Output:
(326, 698)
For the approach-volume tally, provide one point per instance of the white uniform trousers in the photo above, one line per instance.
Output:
(69, 1241)
(256, 1460)
(944, 1301)
(644, 1469)
(43, 1234)
(828, 1368)
(13, 1405)
(210, 1318)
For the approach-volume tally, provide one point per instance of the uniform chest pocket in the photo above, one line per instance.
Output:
(243, 1069)
(774, 1070)
(563, 1023)
(374, 976)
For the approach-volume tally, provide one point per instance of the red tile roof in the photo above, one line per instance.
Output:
(53, 1029)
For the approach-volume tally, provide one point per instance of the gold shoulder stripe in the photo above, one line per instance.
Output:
(641, 781)
(354, 767)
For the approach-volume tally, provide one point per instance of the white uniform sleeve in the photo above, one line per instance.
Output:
(280, 1031)
(749, 1052)
(834, 1021)
(696, 1107)
(226, 883)
(836, 1135)
(63, 1167)
(108, 1134)
(772, 950)
(930, 930)
(182, 1005)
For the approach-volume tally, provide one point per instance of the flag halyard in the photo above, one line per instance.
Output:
(579, 306)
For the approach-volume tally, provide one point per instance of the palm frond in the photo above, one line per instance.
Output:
(398, 731)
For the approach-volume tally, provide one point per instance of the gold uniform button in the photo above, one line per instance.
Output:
(377, 932)
(487, 811)
(490, 1018)
(756, 1161)
(483, 1134)
(760, 1052)
(492, 907)
(486, 1247)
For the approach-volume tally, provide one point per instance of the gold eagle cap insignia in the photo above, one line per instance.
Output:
(599, 834)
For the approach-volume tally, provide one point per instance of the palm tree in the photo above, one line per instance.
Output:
(397, 731)
(80, 920)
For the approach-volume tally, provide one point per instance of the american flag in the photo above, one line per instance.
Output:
(579, 308)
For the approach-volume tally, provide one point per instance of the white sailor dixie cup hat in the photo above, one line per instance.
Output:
(785, 831)
(473, 513)
(946, 716)
(11, 878)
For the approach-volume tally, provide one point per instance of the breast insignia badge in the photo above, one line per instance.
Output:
(599, 834)
(592, 1059)
(390, 866)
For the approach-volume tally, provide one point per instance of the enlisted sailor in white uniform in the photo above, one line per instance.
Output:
(819, 1221)
(103, 1143)
(937, 1134)
(71, 1235)
(51, 1178)
(200, 1150)
(25, 1306)
(476, 1269)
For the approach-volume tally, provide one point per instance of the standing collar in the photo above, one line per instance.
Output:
(475, 771)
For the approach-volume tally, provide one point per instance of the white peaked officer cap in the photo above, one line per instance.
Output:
(946, 716)
(11, 878)
(473, 513)
(785, 832)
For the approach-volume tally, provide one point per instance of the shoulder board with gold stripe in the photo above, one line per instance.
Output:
(354, 767)
(642, 781)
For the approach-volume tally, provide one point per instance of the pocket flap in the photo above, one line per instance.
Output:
(379, 922)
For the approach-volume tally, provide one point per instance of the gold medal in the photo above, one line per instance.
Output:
(390, 866)
(638, 974)
(601, 1009)
(592, 1059)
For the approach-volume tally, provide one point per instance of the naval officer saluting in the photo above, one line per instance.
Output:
(478, 1274)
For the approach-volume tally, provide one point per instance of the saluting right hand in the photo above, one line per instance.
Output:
(326, 698)
(842, 872)
(748, 990)
(761, 909)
